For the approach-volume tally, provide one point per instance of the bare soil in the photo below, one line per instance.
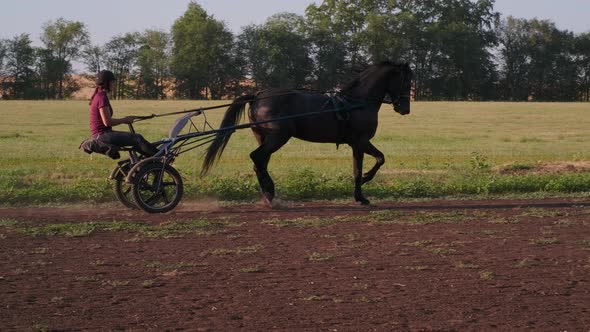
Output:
(546, 168)
(441, 265)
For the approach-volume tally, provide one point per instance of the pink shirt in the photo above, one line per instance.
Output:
(99, 101)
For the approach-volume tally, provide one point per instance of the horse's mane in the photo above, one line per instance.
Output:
(367, 71)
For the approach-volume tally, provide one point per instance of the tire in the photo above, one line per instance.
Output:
(145, 188)
(124, 190)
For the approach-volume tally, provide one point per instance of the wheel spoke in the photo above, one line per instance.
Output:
(165, 197)
(152, 200)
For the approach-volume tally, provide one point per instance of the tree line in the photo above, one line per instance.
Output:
(459, 49)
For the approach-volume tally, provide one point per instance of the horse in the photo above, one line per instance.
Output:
(279, 114)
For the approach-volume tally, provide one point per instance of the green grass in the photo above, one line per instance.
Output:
(83, 229)
(442, 149)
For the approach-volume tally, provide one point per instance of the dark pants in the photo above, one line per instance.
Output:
(122, 138)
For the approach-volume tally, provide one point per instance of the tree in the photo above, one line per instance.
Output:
(94, 58)
(327, 48)
(552, 71)
(2, 53)
(201, 55)
(538, 61)
(65, 40)
(19, 80)
(515, 58)
(121, 54)
(461, 34)
(153, 64)
(338, 31)
(278, 52)
(582, 58)
(50, 70)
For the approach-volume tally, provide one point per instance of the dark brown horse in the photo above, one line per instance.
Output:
(355, 124)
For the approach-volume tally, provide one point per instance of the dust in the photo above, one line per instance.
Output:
(206, 204)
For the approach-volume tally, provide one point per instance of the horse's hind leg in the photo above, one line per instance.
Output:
(358, 152)
(379, 161)
(261, 157)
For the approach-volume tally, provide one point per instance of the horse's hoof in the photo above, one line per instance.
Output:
(363, 201)
(267, 200)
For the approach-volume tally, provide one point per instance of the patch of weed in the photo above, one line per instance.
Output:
(252, 269)
(585, 244)
(40, 250)
(238, 251)
(545, 241)
(166, 230)
(318, 298)
(304, 222)
(318, 257)
(172, 266)
(542, 213)
(425, 218)
(486, 275)
(504, 221)
(419, 244)
(366, 299)
(87, 278)
(361, 262)
(418, 268)
(249, 249)
(8, 223)
(352, 237)
(67, 229)
(565, 222)
(148, 283)
(466, 265)
(99, 262)
(384, 217)
(115, 283)
(442, 251)
(39, 327)
(526, 263)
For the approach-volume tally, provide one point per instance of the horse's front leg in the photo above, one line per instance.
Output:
(358, 152)
(379, 161)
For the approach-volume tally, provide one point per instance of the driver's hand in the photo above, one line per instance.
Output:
(129, 119)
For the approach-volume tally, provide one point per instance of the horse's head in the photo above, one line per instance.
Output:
(399, 88)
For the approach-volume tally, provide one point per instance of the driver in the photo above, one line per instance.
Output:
(102, 121)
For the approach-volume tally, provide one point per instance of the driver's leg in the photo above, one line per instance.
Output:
(121, 138)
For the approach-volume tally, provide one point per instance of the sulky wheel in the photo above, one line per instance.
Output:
(157, 188)
(123, 190)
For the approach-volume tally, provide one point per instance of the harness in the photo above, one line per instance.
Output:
(341, 106)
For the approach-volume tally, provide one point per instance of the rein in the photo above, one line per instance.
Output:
(366, 101)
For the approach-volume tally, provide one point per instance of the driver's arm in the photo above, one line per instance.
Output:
(108, 121)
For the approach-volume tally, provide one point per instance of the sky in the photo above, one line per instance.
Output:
(105, 19)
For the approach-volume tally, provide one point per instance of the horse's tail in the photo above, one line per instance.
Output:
(231, 118)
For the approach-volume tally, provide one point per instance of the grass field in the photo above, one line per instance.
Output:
(439, 150)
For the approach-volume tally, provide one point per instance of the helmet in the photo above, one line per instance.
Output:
(104, 77)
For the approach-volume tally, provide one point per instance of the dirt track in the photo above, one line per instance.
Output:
(445, 265)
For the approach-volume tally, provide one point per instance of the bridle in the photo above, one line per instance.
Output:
(397, 100)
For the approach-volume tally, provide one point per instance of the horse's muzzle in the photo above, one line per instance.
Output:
(402, 106)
